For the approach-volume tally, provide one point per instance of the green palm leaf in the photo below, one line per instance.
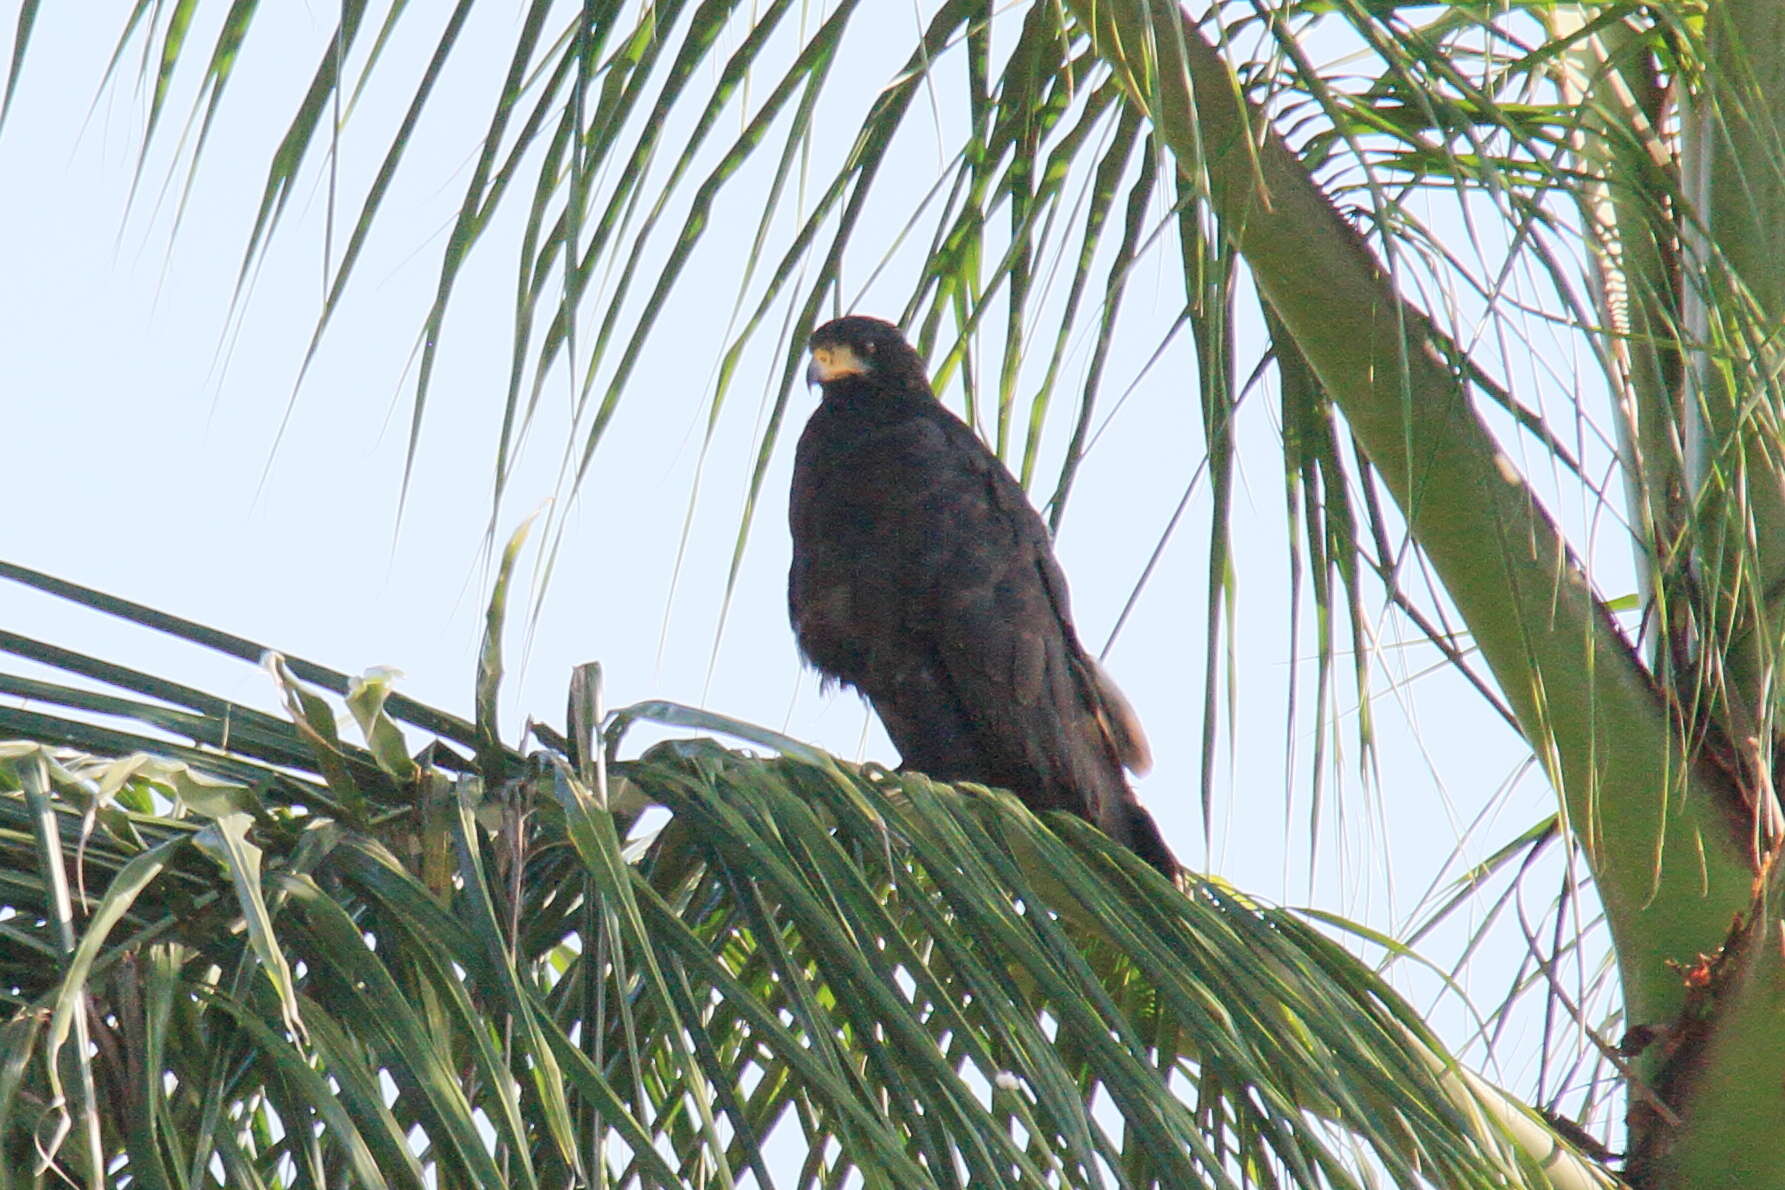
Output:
(1608, 179)
(917, 985)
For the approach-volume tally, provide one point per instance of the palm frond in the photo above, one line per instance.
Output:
(337, 964)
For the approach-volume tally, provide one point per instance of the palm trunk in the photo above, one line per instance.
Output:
(1664, 772)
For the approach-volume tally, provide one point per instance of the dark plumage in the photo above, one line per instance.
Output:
(922, 577)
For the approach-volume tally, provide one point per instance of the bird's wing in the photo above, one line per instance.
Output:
(1115, 715)
(1119, 722)
(1003, 635)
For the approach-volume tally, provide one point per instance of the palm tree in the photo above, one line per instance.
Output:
(245, 950)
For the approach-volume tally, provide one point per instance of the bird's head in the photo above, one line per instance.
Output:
(860, 347)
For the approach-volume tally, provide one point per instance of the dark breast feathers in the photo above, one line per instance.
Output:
(923, 578)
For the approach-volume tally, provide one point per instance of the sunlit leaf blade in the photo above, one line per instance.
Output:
(173, 38)
(386, 170)
(490, 753)
(21, 37)
(300, 135)
(1140, 193)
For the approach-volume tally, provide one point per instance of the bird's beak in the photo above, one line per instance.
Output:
(833, 363)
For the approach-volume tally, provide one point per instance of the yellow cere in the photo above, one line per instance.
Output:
(834, 362)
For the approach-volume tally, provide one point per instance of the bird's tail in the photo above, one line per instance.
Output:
(1143, 838)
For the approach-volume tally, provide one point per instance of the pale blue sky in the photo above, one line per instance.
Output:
(147, 460)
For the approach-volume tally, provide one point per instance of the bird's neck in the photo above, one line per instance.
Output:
(859, 397)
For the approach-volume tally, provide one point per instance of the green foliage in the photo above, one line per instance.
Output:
(311, 963)
(1609, 178)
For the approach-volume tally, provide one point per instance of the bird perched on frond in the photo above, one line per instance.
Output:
(923, 578)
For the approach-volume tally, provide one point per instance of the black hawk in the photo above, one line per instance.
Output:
(923, 578)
